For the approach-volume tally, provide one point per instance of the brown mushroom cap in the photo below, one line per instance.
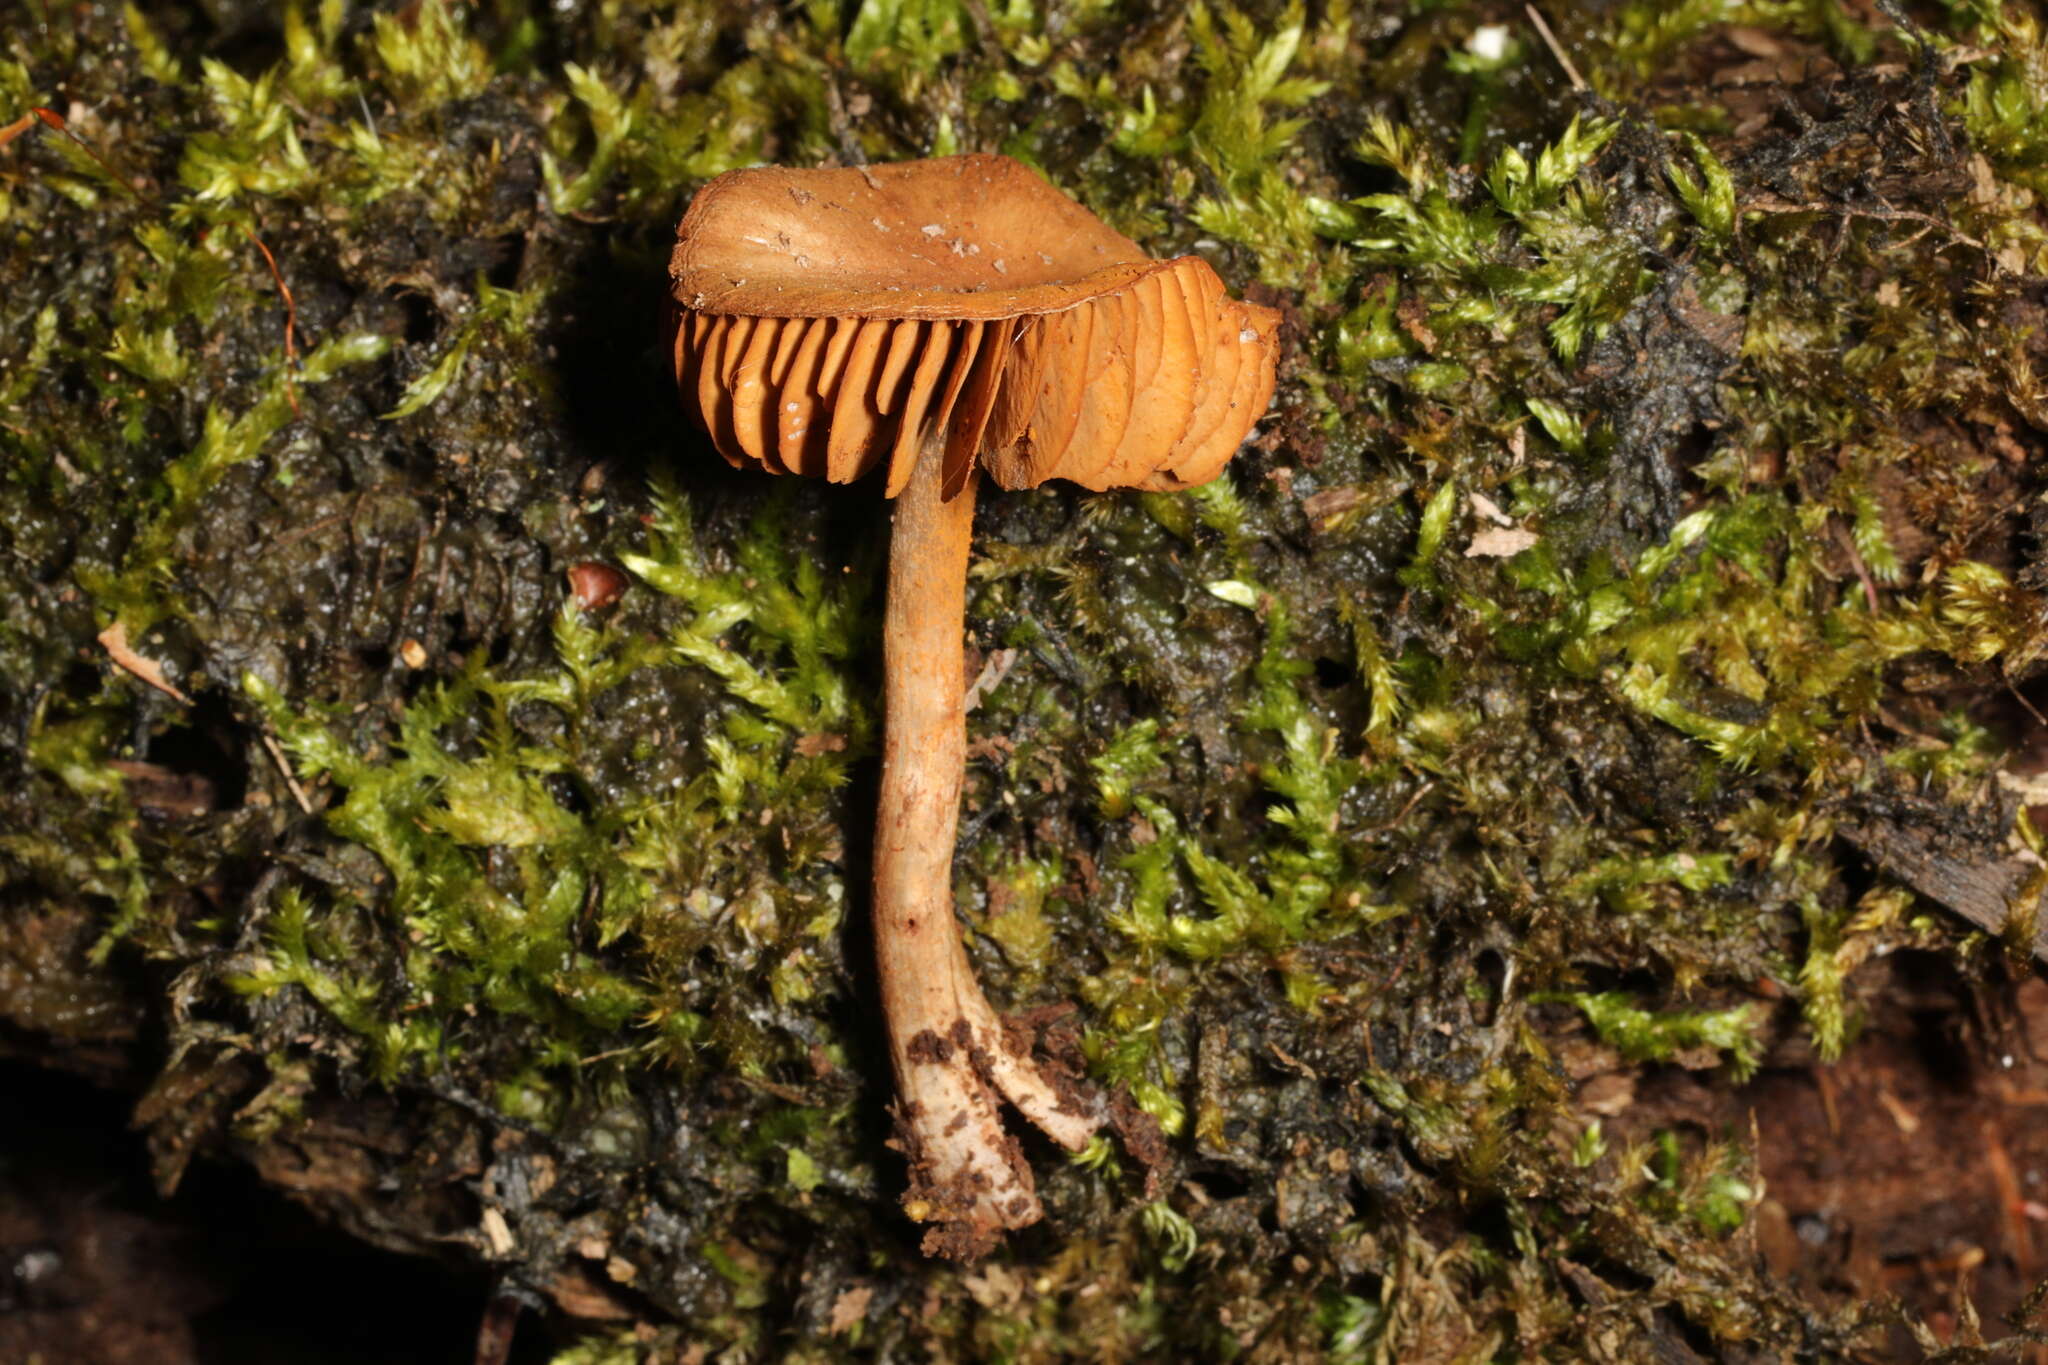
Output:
(828, 321)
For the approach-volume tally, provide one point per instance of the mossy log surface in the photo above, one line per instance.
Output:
(429, 776)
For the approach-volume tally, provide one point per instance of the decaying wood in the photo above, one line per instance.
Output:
(1983, 885)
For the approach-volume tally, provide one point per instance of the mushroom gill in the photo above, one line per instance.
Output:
(832, 321)
(937, 319)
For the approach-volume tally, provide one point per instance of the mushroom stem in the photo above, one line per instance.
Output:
(952, 1055)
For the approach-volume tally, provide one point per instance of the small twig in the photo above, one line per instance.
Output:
(291, 781)
(2021, 698)
(50, 118)
(1848, 542)
(1919, 738)
(291, 320)
(309, 529)
(1420, 792)
(1571, 73)
(1771, 203)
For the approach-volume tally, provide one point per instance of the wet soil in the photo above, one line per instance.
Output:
(1916, 1167)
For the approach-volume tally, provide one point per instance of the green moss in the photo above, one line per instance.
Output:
(1643, 1036)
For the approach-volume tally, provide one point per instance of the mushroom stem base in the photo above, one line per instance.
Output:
(952, 1056)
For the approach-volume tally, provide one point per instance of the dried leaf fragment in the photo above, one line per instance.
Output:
(114, 639)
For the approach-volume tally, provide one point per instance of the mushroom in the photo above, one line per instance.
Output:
(937, 319)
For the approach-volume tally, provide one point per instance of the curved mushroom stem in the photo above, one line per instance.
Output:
(952, 1054)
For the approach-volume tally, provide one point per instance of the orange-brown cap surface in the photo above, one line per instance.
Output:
(829, 321)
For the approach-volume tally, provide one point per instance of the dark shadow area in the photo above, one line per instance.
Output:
(99, 1270)
(618, 401)
(199, 753)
